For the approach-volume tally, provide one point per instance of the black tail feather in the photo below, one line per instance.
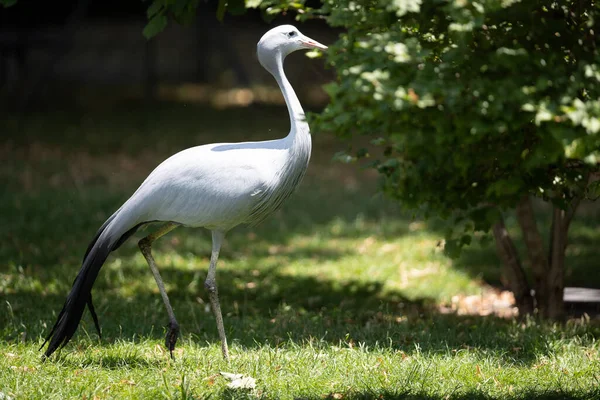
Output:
(81, 292)
(79, 296)
(90, 246)
(94, 316)
(116, 246)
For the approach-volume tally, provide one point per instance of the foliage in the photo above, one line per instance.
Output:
(8, 3)
(183, 11)
(470, 105)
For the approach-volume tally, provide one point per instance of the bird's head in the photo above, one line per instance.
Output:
(281, 41)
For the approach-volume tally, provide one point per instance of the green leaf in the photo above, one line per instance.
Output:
(314, 53)
(221, 10)
(274, 10)
(342, 156)
(593, 191)
(156, 25)
(180, 7)
(465, 240)
(485, 240)
(236, 7)
(8, 3)
(253, 3)
(362, 152)
(452, 248)
(154, 8)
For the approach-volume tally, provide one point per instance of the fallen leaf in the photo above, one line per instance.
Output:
(210, 380)
(239, 381)
(245, 382)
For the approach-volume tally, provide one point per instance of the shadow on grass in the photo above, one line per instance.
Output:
(280, 310)
(108, 361)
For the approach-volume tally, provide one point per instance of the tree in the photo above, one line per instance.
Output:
(473, 109)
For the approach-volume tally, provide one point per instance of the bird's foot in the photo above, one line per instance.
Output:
(171, 337)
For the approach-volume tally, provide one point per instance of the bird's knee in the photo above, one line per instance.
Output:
(210, 286)
(173, 326)
(144, 244)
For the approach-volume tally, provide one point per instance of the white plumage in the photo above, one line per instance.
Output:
(216, 186)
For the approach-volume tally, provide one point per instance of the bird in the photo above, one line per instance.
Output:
(215, 186)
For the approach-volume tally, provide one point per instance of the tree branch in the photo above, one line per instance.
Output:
(517, 281)
(556, 271)
(535, 249)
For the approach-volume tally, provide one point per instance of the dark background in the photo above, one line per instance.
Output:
(88, 52)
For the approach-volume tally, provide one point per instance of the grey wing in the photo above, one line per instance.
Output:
(195, 195)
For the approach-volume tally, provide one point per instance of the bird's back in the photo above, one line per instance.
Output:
(216, 186)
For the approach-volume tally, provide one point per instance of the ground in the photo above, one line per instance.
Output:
(340, 294)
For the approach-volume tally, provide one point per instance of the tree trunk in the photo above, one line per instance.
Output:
(556, 271)
(517, 280)
(561, 220)
(535, 249)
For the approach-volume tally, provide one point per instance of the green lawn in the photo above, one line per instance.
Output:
(337, 295)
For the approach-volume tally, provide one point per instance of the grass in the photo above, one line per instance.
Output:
(337, 295)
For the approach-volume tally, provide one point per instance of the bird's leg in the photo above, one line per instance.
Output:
(145, 246)
(210, 284)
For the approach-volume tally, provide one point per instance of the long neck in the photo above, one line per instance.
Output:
(297, 119)
(297, 144)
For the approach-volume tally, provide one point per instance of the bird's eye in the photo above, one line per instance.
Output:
(292, 34)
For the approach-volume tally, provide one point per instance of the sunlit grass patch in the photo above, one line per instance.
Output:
(309, 368)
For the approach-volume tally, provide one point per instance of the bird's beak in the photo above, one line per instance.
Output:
(312, 44)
